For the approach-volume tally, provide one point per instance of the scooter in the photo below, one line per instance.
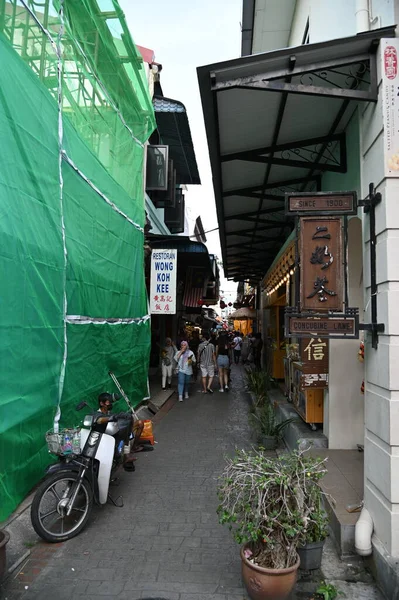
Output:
(63, 502)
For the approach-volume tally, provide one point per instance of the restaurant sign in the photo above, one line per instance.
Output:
(163, 282)
(390, 105)
(321, 260)
(320, 204)
(321, 326)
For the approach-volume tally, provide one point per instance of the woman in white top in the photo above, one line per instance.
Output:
(185, 359)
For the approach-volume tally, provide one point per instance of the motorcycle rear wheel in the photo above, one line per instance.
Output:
(48, 507)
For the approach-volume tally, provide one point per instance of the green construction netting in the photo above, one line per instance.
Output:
(107, 117)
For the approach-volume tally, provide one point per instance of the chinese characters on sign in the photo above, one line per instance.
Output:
(390, 105)
(314, 358)
(163, 282)
(315, 350)
(321, 264)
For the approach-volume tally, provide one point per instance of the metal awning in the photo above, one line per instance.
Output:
(174, 130)
(275, 123)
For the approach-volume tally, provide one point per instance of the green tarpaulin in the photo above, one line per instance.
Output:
(73, 299)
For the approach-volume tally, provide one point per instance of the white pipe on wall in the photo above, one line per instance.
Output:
(362, 16)
(363, 532)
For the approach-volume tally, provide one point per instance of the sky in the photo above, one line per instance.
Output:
(185, 35)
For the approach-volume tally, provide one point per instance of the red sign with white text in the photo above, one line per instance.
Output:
(390, 62)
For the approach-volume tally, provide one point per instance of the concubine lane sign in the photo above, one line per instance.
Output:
(163, 282)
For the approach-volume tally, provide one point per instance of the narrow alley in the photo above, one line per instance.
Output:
(166, 542)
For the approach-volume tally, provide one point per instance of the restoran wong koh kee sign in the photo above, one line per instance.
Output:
(163, 282)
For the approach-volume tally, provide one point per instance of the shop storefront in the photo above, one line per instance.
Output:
(296, 128)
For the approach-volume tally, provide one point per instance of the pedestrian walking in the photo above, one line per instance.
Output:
(237, 343)
(223, 362)
(185, 359)
(168, 352)
(207, 363)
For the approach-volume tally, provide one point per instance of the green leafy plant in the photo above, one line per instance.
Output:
(258, 382)
(264, 419)
(266, 503)
(317, 529)
(328, 591)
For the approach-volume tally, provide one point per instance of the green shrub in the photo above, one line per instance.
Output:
(268, 503)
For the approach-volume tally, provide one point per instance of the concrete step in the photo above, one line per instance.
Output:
(299, 433)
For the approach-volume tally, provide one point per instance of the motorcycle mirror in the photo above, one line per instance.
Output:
(88, 421)
(116, 396)
(81, 405)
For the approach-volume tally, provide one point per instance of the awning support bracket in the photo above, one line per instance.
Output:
(369, 203)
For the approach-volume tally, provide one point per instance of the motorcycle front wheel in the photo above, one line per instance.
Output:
(49, 506)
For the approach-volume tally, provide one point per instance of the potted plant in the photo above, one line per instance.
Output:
(311, 549)
(326, 591)
(269, 430)
(264, 501)
(258, 384)
(4, 539)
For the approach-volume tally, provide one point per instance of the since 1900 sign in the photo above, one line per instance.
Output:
(163, 282)
(320, 203)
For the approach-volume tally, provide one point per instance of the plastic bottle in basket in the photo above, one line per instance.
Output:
(67, 447)
(76, 443)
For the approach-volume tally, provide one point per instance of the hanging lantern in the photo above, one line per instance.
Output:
(222, 304)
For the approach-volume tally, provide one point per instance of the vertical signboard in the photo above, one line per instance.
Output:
(163, 282)
(314, 359)
(321, 258)
(390, 105)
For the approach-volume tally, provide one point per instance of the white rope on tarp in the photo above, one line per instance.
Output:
(81, 320)
(70, 162)
(61, 182)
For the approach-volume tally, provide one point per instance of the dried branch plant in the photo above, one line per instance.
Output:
(270, 503)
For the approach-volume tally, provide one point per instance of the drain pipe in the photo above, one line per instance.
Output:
(364, 526)
(363, 532)
(362, 15)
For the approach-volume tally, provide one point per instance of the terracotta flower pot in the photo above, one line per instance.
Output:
(4, 539)
(267, 584)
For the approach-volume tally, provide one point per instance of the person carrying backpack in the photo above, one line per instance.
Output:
(207, 363)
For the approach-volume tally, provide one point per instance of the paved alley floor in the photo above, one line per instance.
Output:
(165, 543)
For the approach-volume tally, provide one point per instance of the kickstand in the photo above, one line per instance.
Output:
(115, 502)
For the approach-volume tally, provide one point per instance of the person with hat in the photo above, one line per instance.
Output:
(105, 403)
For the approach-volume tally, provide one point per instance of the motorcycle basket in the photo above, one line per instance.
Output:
(63, 443)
